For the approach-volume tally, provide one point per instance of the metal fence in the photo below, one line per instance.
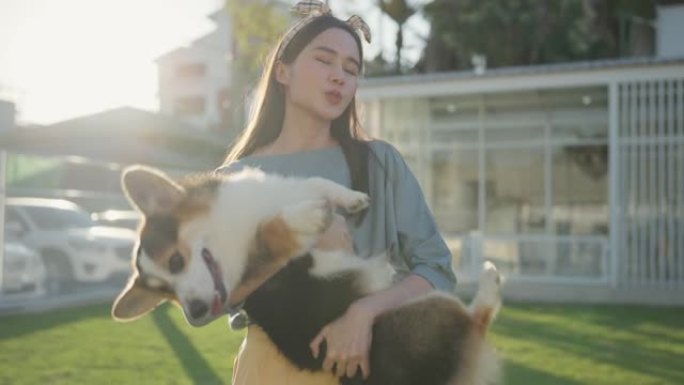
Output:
(650, 183)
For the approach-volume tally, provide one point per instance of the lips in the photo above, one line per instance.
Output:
(220, 293)
(333, 97)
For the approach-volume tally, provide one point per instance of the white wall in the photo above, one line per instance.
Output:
(7, 114)
(670, 40)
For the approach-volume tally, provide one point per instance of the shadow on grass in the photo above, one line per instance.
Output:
(18, 325)
(618, 351)
(517, 374)
(192, 360)
(665, 323)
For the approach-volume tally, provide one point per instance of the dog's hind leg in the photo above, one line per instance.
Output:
(350, 200)
(481, 365)
(487, 301)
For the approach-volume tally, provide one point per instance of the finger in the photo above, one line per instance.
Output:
(328, 363)
(352, 368)
(315, 345)
(365, 368)
(340, 368)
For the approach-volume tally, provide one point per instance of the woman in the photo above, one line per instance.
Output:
(305, 124)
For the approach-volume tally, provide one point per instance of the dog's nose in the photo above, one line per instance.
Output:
(198, 308)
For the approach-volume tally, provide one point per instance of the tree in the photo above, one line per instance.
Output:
(523, 32)
(256, 26)
(625, 27)
(399, 11)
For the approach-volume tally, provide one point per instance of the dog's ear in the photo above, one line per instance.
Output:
(135, 301)
(150, 190)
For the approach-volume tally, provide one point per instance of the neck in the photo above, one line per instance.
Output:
(302, 131)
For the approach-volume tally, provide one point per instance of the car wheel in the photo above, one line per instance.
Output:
(59, 272)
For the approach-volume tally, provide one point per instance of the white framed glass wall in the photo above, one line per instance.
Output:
(518, 177)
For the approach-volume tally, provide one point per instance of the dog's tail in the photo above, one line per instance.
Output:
(487, 301)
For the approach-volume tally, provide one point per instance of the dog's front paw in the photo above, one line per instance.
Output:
(354, 201)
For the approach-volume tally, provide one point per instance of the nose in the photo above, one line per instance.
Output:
(198, 309)
(337, 75)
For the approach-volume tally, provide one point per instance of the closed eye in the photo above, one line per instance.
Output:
(326, 54)
(176, 263)
(352, 72)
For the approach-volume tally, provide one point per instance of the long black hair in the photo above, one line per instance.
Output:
(269, 108)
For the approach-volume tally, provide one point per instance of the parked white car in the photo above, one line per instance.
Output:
(73, 248)
(23, 270)
(118, 218)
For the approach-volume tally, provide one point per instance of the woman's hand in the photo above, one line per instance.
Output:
(336, 237)
(348, 341)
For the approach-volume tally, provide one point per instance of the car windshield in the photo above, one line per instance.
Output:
(52, 218)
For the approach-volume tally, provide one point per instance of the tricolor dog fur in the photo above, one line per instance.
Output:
(216, 242)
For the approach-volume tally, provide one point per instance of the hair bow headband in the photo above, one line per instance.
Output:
(311, 9)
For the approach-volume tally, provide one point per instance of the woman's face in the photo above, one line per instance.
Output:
(323, 78)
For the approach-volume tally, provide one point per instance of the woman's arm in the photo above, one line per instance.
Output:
(348, 338)
(424, 253)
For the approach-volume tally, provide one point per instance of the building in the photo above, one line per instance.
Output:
(670, 28)
(81, 159)
(569, 176)
(7, 116)
(194, 81)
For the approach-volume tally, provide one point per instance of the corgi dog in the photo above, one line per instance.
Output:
(216, 243)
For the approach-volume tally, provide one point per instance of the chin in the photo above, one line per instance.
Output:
(330, 114)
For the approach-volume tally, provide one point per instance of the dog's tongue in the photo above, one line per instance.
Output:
(217, 306)
(220, 294)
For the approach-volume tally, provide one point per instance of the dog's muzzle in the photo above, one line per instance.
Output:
(220, 293)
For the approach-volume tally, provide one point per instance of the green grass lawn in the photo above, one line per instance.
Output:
(540, 344)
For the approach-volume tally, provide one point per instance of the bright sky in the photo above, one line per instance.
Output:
(66, 58)
(61, 59)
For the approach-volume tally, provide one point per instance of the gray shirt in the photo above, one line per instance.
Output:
(398, 220)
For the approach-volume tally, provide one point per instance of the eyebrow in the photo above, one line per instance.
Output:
(332, 51)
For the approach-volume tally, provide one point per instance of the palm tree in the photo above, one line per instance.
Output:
(399, 11)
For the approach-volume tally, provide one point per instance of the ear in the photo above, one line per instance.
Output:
(282, 73)
(135, 301)
(150, 190)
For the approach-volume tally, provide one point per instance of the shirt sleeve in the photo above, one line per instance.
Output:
(420, 242)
